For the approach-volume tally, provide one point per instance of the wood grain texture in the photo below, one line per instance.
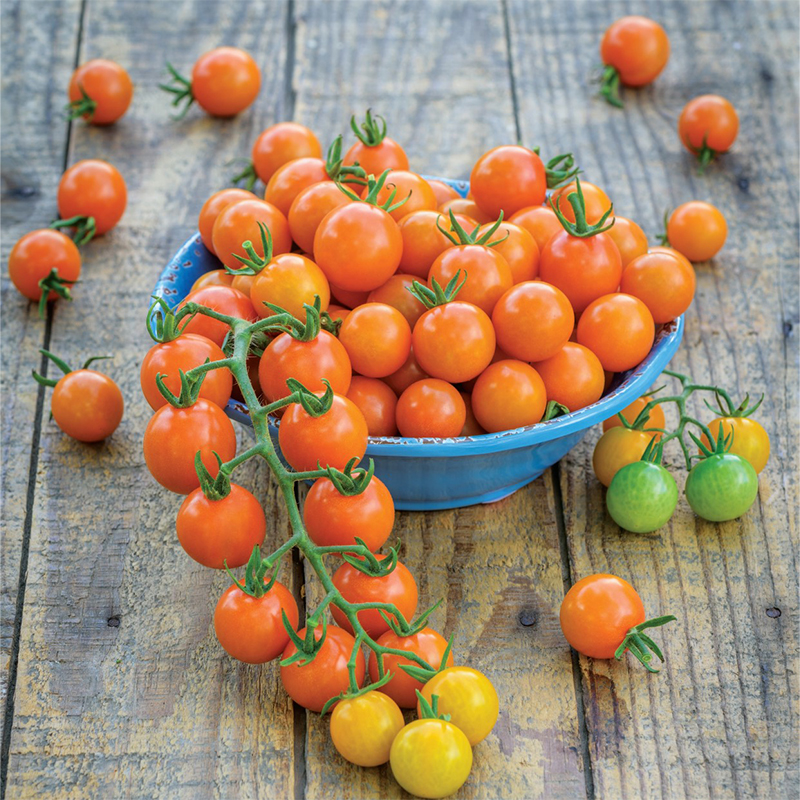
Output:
(721, 721)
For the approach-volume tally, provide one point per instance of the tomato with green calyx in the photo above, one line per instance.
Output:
(696, 229)
(750, 440)
(708, 126)
(602, 616)
(508, 394)
(364, 727)
(100, 91)
(223, 299)
(631, 412)
(573, 377)
(596, 204)
(374, 151)
(213, 207)
(377, 402)
(430, 408)
(377, 338)
(91, 198)
(413, 189)
(662, 282)
(507, 179)
(618, 447)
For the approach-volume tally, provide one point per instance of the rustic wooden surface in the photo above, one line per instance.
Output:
(116, 685)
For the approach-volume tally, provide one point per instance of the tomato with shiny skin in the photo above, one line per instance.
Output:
(219, 532)
(347, 297)
(87, 405)
(431, 758)
(377, 402)
(597, 613)
(637, 48)
(324, 357)
(518, 248)
(214, 277)
(238, 223)
(376, 159)
(507, 395)
(671, 251)
(331, 439)
(310, 207)
(471, 425)
(409, 373)
(750, 440)
(290, 281)
(223, 299)
(443, 192)
(573, 376)
(427, 644)
(430, 408)
(618, 329)
(697, 229)
(630, 239)
(213, 207)
(662, 282)
(398, 587)
(642, 497)
(395, 293)
(281, 143)
(616, 448)
(540, 222)
(465, 207)
(533, 321)
(36, 254)
(364, 727)
(423, 241)
(507, 179)
(468, 696)
(107, 85)
(173, 437)
(311, 685)
(93, 188)
(721, 487)
(251, 628)
(290, 179)
(338, 312)
(708, 121)
(595, 199)
(182, 354)
(632, 410)
(377, 338)
(225, 81)
(412, 188)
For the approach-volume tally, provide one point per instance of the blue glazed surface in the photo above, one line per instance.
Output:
(450, 473)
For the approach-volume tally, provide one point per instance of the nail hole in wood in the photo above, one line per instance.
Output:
(113, 622)
(773, 612)
(527, 617)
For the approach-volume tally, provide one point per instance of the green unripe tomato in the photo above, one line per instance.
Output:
(721, 487)
(642, 497)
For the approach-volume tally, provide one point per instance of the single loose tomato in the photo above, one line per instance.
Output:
(377, 402)
(333, 519)
(374, 151)
(630, 239)
(662, 282)
(595, 199)
(238, 223)
(423, 241)
(173, 437)
(321, 358)
(616, 448)
(507, 395)
(697, 229)
(87, 405)
(290, 179)
(377, 338)
(312, 684)
(409, 373)
(540, 222)
(618, 329)
(533, 321)
(225, 81)
(427, 644)
(290, 281)
(281, 143)
(507, 179)
(637, 48)
(168, 359)
(251, 628)
(331, 439)
(364, 727)
(573, 376)
(214, 277)
(100, 91)
(443, 192)
(213, 207)
(465, 207)
(93, 188)
(708, 125)
(224, 300)
(310, 207)
(411, 188)
(398, 587)
(518, 248)
(750, 440)
(216, 533)
(430, 408)
(631, 412)
(395, 293)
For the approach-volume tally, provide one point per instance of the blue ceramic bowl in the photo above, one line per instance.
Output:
(428, 474)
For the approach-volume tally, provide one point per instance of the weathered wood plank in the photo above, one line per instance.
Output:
(439, 74)
(721, 720)
(38, 55)
(123, 689)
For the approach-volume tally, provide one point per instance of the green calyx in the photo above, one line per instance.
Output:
(663, 238)
(313, 404)
(255, 572)
(430, 710)
(53, 283)
(424, 675)
(559, 169)
(248, 174)
(464, 237)
(374, 186)
(436, 296)
(370, 133)
(370, 564)
(254, 263)
(85, 228)
(213, 488)
(334, 166)
(307, 648)
(83, 107)
(719, 446)
(609, 86)
(553, 410)
(728, 409)
(286, 323)
(351, 482)
(181, 88)
(162, 324)
(654, 451)
(62, 365)
(581, 228)
(350, 695)
(190, 388)
(403, 628)
(640, 644)
(705, 155)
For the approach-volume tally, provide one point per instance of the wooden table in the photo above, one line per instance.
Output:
(116, 685)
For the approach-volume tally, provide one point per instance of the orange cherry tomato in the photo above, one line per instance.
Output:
(533, 321)
(465, 207)
(213, 207)
(672, 251)
(377, 402)
(219, 532)
(310, 207)
(281, 143)
(93, 188)
(573, 377)
(662, 282)
(36, 254)
(173, 437)
(334, 519)
(431, 408)
(507, 395)
(338, 312)
(427, 644)
(214, 277)
(637, 48)
(349, 299)
(507, 179)
(223, 299)
(108, 88)
(618, 329)
(290, 179)
(708, 121)
(409, 373)
(631, 411)
(375, 160)
(697, 229)
(377, 338)
(331, 439)
(630, 239)
(289, 281)
(443, 192)
(87, 405)
(182, 354)
(251, 628)
(238, 223)
(322, 358)
(596, 200)
(471, 425)
(395, 293)
(225, 81)
(423, 241)
(518, 248)
(540, 222)
(412, 188)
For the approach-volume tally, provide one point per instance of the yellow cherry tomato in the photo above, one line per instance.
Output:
(750, 440)
(468, 697)
(630, 412)
(617, 448)
(431, 758)
(363, 728)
